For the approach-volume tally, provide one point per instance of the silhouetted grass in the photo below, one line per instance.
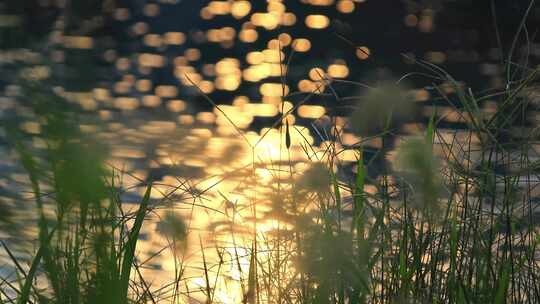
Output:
(86, 251)
(452, 222)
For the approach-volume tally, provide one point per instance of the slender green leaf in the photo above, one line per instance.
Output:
(129, 253)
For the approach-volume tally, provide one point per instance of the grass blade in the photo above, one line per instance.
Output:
(129, 253)
(25, 291)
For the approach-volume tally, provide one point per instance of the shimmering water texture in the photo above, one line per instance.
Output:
(276, 176)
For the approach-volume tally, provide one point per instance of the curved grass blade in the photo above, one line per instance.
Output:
(129, 253)
(25, 291)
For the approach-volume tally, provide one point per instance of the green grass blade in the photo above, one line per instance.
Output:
(504, 282)
(129, 253)
(359, 195)
(337, 194)
(249, 297)
(25, 291)
(430, 132)
(206, 276)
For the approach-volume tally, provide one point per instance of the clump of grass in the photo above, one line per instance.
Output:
(86, 249)
(383, 107)
(173, 226)
(454, 222)
(419, 171)
(440, 228)
(315, 179)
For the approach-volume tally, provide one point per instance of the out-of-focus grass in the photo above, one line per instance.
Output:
(444, 231)
(446, 225)
(86, 251)
(383, 107)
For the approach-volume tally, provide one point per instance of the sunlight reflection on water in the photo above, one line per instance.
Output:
(208, 163)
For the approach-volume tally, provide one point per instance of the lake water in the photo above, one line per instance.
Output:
(224, 105)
